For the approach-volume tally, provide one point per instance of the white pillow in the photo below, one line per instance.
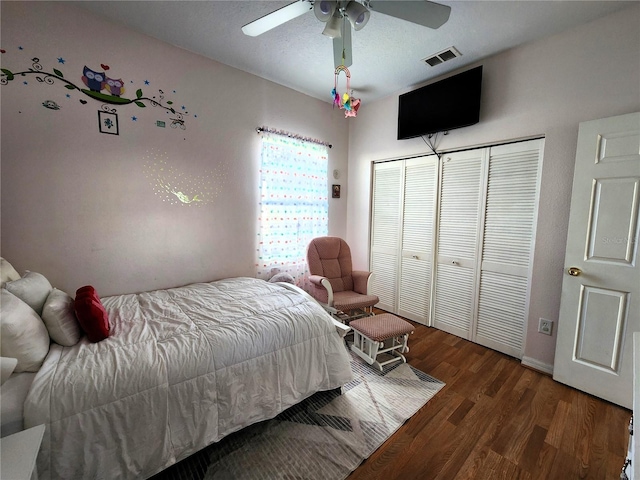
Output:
(23, 336)
(7, 366)
(7, 272)
(33, 289)
(59, 317)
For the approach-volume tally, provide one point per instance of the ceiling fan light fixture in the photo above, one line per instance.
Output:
(333, 28)
(357, 14)
(324, 9)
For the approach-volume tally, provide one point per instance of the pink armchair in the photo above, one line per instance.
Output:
(333, 282)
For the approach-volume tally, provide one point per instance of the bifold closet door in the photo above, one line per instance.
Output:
(386, 219)
(416, 256)
(509, 229)
(479, 208)
(459, 220)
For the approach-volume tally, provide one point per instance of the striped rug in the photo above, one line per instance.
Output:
(325, 437)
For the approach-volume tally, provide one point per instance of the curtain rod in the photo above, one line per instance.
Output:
(284, 133)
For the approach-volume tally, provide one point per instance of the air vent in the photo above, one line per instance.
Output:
(441, 57)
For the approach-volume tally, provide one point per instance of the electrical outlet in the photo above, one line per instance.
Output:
(545, 326)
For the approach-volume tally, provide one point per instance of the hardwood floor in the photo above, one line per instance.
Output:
(496, 419)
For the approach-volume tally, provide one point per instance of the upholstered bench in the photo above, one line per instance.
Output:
(380, 334)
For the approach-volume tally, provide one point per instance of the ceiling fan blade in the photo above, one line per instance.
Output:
(425, 13)
(340, 44)
(274, 19)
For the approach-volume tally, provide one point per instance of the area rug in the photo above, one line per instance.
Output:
(325, 437)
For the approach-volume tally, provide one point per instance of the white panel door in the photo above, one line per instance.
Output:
(509, 228)
(420, 191)
(386, 219)
(460, 215)
(600, 303)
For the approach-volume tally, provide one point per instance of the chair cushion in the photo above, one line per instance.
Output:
(381, 327)
(350, 300)
(319, 292)
(330, 257)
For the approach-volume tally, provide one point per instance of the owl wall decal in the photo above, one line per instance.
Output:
(94, 80)
(115, 87)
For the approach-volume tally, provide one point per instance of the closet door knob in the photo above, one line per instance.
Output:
(414, 257)
(454, 263)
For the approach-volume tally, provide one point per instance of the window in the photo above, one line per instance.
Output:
(294, 205)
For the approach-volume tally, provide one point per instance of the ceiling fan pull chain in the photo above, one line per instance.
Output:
(344, 21)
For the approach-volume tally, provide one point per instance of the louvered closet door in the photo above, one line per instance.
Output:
(509, 227)
(420, 189)
(460, 216)
(385, 232)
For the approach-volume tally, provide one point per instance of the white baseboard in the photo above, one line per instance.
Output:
(537, 365)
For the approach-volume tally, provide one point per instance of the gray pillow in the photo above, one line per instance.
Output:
(33, 289)
(7, 272)
(282, 277)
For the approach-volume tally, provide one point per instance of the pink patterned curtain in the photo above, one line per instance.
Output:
(294, 205)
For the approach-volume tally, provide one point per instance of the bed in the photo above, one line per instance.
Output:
(181, 369)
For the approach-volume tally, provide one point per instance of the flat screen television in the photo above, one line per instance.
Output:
(441, 106)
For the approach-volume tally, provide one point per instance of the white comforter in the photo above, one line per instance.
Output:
(182, 368)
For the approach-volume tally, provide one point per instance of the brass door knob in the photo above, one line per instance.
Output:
(574, 271)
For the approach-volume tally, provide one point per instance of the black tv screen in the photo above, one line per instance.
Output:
(441, 106)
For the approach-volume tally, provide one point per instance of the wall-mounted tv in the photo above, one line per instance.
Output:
(441, 106)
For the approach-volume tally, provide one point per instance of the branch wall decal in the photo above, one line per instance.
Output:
(97, 81)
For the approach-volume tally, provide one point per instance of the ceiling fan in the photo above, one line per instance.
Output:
(341, 16)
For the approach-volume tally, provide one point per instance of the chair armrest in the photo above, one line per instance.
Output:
(361, 281)
(316, 280)
(323, 282)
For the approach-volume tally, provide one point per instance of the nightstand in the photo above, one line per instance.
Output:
(19, 452)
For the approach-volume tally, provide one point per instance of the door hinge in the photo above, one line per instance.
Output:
(623, 474)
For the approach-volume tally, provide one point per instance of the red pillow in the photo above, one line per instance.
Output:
(92, 316)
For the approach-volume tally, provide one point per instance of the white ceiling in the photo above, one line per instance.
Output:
(387, 52)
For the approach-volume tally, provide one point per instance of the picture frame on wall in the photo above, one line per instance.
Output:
(335, 191)
(108, 123)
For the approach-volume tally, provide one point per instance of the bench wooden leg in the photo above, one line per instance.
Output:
(369, 350)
